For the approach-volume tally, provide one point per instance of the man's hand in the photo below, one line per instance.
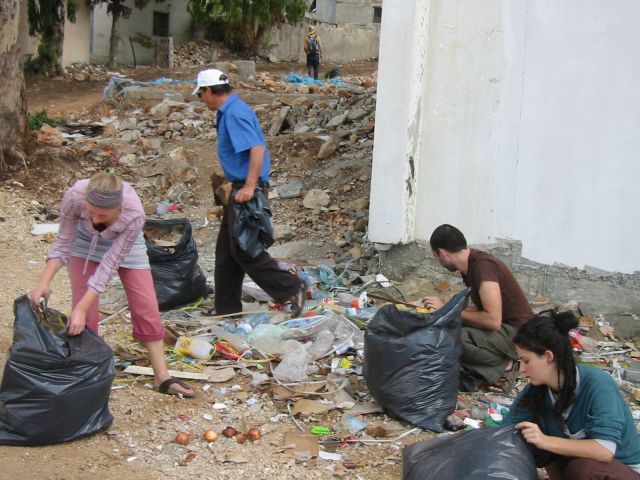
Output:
(433, 303)
(244, 194)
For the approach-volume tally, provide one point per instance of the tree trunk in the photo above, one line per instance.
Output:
(116, 13)
(57, 40)
(13, 106)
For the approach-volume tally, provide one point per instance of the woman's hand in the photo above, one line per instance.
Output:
(532, 434)
(77, 322)
(41, 291)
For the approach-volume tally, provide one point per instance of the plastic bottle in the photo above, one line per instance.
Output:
(194, 347)
(257, 319)
(163, 207)
(350, 424)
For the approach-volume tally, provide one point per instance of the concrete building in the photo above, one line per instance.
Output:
(362, 12)
(87, 40)
(514, 120)
(156, 20)
(75, 47)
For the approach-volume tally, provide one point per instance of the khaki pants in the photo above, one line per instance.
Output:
(486, 355)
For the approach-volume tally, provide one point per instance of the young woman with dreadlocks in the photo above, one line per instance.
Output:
(575, 417)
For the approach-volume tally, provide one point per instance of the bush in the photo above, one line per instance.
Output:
(36, 120)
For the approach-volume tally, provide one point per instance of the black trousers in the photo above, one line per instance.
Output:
(313, 64)
(232, 264)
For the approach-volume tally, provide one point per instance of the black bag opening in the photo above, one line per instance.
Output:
(173, 256)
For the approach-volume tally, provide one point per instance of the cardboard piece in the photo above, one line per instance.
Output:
(309, 407)
(217, 375)
(365, 408)
(303, 446)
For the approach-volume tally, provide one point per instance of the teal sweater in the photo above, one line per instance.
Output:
(599, 413)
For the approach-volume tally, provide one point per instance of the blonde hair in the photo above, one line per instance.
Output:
(104, 190)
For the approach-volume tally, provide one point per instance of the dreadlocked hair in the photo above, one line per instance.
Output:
(550, 331)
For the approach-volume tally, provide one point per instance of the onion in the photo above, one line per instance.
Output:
(241, 438)
(210, 435)
(229, 432)
(254, 434)
(182, 438)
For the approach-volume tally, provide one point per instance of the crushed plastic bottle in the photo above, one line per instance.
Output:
(350, 424)
(257, 319)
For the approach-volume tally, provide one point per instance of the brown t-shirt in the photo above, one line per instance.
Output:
(484, 267)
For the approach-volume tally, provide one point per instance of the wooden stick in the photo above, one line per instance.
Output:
(136, 370)
(122, 310)
(391, 300)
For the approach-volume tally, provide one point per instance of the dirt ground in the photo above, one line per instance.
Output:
(139, 445)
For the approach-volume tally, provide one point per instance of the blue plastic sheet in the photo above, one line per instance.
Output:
(306, 80)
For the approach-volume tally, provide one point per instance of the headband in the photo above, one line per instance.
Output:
(105, 198)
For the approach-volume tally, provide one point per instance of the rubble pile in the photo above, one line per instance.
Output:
(321, 148)
(197, 53)
(82, 71)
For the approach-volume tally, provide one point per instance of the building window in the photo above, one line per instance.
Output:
(312, 7)
(377, 14)
(160, 24)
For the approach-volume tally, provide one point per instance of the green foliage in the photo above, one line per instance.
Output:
(38, 119)
(46, 20)
(244, 23)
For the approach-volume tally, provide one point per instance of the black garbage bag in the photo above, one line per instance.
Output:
(474, 455)
(412, 362)
(252, 226)
(177, 277)
(54, 388)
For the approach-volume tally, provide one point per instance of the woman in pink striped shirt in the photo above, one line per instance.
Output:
(101, 221)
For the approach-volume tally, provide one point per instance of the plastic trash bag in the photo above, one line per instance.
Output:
(293, 367)
(252, 225)
(177, 277)
(474, 455)
(412, 362)
(54, 388)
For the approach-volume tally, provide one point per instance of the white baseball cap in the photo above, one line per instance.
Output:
(210, 78)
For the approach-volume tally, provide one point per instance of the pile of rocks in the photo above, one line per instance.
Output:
(197, 53)
(82, 71)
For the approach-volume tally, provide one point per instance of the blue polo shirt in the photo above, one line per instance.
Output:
(239, 130)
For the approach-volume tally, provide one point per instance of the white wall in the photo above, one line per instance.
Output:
(76, 36)
(527, 124)
(340, 43)
(140, 21)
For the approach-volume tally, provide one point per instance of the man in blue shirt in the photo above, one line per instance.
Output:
(246, 162)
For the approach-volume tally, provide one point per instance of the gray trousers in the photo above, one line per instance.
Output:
(486, 355)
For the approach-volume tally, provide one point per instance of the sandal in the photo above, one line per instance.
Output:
(165, 388)
(508, 379)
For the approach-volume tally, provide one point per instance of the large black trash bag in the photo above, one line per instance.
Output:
(474, 455)
(252, 225)
(54, 388)
(412, 362)
(177, 277)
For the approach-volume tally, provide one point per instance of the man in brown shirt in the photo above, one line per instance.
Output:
(499, 308)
